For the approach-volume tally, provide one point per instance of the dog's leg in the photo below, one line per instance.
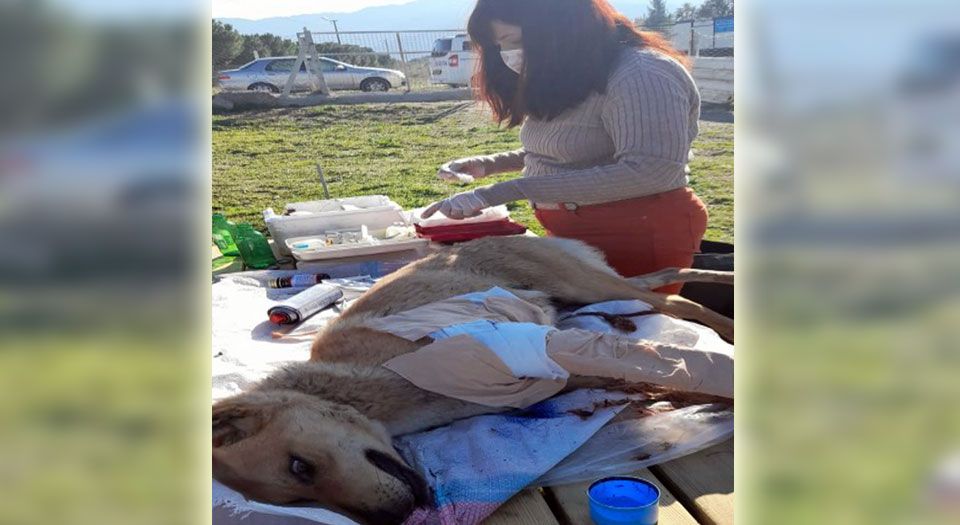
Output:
(681, 275)
(686, 309)
(592, 285)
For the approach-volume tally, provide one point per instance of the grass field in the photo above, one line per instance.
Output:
(267, 159)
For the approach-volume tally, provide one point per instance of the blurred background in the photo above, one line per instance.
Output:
(103, 178)
(848, 209)
(848, 203)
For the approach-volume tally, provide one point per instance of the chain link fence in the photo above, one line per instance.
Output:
(705, 38)
(427, 57)
(407, 51)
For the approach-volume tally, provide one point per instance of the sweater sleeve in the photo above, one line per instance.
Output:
(501, 162)
(647, 114)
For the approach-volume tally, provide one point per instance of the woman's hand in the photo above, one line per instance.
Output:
(460, 206)
(463, 171)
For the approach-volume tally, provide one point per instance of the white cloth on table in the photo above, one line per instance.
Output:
(462, 458)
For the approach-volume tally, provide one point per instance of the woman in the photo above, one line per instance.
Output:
(608, 113)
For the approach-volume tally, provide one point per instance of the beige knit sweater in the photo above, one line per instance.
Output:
(632, 141)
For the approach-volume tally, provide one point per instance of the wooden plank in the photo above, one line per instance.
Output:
(715, 85)
(572, 503)
(712, 71)
(709, 95)
(526, 508)
(713, 62)
(703, 482)
(713, 74)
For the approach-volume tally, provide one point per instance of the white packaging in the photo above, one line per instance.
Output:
(376, 212)
(317, 249)
(231, 508)
(495, 213)
(377, 265)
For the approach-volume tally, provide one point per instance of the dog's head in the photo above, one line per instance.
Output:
(284, 447)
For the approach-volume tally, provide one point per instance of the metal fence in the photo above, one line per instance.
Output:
(410, 51)
(407, 51)
(708, 37)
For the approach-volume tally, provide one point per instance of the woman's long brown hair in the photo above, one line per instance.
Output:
(570, 48)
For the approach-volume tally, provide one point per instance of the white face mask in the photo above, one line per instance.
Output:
(513, 58)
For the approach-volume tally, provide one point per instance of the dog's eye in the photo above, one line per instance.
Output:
(301, 470)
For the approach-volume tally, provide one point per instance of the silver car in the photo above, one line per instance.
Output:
(270, 75)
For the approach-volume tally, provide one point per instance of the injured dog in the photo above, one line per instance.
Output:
(320, 432)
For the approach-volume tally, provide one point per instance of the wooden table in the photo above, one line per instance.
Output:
(695, 489)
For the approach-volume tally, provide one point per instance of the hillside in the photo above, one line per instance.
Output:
(419, 14)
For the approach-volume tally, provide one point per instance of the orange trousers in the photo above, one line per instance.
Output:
(637, 236)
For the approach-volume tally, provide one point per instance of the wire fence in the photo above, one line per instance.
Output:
(708, 37)
(407, 51)
(435, 59)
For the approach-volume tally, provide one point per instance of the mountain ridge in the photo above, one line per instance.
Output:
(416, 15)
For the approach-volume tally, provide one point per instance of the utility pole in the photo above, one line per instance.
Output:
(335, 28)
(403, 57)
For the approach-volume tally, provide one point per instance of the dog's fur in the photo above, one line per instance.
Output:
(320, 431)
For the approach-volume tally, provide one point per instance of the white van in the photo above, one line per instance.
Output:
(452, 61)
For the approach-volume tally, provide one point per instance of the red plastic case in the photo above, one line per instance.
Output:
(468, 232)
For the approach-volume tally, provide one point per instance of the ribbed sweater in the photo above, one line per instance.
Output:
(632, 141)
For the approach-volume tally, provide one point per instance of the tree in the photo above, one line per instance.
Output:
(265, 45)
(227, 44)
(356, 55)
(657, 15)
(685, 12)
(715, 9)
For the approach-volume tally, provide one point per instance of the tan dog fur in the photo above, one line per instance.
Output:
(337, 412)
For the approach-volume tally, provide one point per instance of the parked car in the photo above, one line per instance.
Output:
(453, 61)
(125, 184)
(926, 111)
(270, 75)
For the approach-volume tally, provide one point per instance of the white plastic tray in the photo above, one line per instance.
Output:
(352, 250)
(376, 212)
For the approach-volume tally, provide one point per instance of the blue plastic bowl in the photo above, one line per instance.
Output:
(623, 500)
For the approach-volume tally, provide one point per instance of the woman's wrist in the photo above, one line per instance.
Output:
(502, 162)
(500, 193)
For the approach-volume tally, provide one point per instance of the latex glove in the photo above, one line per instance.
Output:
(460, 206)
(464, 171)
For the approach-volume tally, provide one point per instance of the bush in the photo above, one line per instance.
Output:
(356, 55)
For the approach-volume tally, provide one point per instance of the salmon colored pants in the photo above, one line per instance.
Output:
(637, 236)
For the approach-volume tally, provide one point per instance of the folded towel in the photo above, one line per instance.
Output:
(477, 464)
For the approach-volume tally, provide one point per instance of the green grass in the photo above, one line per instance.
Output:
(101, 429)
(267, 159)
(711, 176)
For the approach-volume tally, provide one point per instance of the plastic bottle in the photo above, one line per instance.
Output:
(304, 304)
(254, 248)
(223, 233)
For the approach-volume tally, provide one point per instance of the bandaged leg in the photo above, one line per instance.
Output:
(583, 353)
(519, 364)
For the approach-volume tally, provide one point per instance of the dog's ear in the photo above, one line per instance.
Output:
(236, 419)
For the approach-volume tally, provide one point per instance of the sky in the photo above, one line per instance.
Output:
(261, 9)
